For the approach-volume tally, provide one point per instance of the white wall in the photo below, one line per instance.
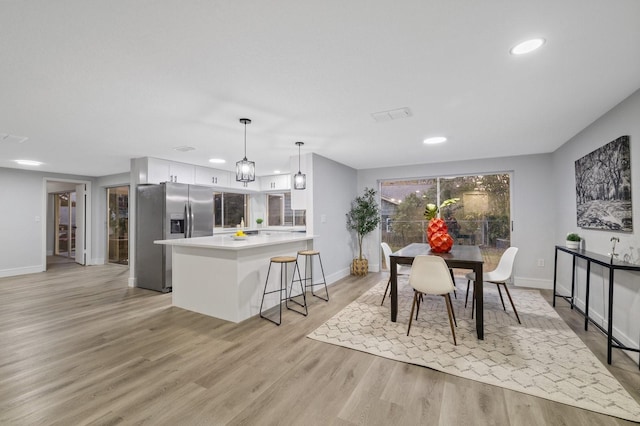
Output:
(532, 207)
(334, 186)
(624, 119)
(23, 218)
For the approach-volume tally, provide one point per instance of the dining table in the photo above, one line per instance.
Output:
(460, 256)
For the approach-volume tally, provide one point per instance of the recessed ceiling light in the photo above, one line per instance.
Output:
(28, 162)
(527, 46)
(217, 160)
(435, 140)
(277, 172)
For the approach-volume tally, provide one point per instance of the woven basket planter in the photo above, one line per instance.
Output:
(360, 267)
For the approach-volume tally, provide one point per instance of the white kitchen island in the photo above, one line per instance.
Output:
(224, 278)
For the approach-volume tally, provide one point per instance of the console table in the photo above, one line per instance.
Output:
(606, 262)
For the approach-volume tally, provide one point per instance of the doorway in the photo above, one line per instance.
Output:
(67, 209)
(118, 225)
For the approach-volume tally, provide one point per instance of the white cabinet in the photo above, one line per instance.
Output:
(275, 183)
(211, 177)
(159, 171)
(251, 186)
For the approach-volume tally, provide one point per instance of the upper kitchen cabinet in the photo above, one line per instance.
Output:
(158, 171)
(211, 177)
(275, 183)
(251, 186)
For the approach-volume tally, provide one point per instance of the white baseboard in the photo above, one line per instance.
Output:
(338, 275)
(21, 271)
(533, 283)
(132, 282)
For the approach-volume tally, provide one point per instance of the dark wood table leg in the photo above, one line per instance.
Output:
(479, 296)
(394, 288)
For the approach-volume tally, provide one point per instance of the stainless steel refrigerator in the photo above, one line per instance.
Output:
(167, 211)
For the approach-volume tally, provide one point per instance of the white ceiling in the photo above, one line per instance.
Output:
(95, 83)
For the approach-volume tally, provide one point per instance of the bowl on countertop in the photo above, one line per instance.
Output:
(239, 237)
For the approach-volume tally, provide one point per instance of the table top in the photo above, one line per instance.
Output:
(459, 253)
(226, 242)
(600, 259)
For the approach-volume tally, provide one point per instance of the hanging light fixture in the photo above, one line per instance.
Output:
(245, 169)
(299, 179)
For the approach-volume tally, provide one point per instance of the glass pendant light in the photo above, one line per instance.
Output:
(245, 169)
(299, 179)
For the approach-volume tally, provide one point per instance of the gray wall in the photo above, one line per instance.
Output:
(624, 119)
(23, 219)
(334, 186)
(532, 207)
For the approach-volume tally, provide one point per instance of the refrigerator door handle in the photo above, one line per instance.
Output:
(186, 220)
(192, 221)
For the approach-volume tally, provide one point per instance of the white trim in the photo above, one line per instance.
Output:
(338, 275)
(21, 271)
(533, 283)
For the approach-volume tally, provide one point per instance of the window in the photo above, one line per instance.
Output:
(279, 211)
(230, 209)
(481, 217)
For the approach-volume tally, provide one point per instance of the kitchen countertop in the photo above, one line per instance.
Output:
(226, 242)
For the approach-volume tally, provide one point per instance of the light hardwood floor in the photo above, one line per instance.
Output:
(77, 346)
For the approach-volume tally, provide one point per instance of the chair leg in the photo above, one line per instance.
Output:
(413, 305)
(453, 312)
(501, 299)
(420, 299)
(454, 283)
(447, 299)
(386, 290)
(511, 300)
(467, 296)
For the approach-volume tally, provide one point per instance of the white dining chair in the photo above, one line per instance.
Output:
(499, 276)
(430, 275)
(402, 270)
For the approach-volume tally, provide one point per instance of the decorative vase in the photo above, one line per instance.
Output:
(359, 267)
(439, 239)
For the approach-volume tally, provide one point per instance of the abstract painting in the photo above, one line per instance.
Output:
(603, 187)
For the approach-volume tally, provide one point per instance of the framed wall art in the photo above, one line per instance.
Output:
(603, 187)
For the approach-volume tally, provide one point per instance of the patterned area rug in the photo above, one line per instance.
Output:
(542, 357)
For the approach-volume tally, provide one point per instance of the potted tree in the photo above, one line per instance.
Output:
(363, 217)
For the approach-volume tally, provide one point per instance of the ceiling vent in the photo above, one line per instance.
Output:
(393, 114)
(184, 148)
(7, 138)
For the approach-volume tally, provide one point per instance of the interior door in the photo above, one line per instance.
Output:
(80, 234)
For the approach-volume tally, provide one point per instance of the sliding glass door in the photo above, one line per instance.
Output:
(481, 217)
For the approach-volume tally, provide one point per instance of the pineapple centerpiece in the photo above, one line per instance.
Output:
(437, 235)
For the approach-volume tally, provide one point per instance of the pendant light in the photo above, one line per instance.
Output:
(299, 179)
(245, 169)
